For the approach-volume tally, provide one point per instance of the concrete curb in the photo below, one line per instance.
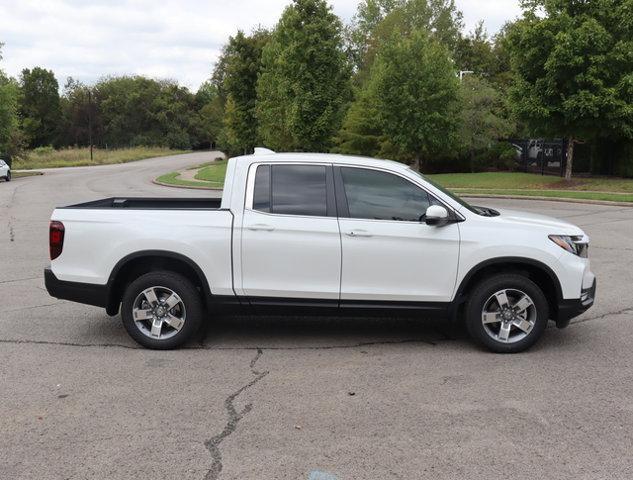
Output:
(29, 173)
(190, 178)
(550, 199)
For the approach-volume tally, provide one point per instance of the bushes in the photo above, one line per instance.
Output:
(47, 150)
(625, 163)
(500, 156)
(47, 157)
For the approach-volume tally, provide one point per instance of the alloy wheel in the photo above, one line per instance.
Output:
(159, 313)
(509, 315)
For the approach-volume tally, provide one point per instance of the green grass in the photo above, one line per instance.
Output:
(213, 173)
(77, 157)
(572, 194)
(172, 179)
(530, 181)
(493, 180)
(209, 175)
(528, 184)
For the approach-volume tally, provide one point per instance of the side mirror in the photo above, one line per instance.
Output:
(436, 215)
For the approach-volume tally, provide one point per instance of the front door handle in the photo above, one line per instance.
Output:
(359, 233)
(261, 226)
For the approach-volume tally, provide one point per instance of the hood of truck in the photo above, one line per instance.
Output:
(554, 226)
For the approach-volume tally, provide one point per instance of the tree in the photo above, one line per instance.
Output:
(242, 66)
(274, 101)
(361, 133)
(475, 52)
(502, 75)
(484, 119)
(439, 18)
(206, 93)
(368, 16)
(140, 111)
(416, 92)
(9, 125)
(76, 110)
(39, 106)
(573, 66)
(304, 87)
(210, 116)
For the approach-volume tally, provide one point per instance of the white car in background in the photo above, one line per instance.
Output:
(5, 171)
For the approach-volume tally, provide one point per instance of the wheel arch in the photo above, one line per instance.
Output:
(535, 270)
(136, 264)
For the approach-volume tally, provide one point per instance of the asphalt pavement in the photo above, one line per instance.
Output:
(302, 398)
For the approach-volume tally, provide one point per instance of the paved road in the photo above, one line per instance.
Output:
(301, 398)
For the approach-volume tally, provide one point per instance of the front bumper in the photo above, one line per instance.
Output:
(88, 293)
(568, 309)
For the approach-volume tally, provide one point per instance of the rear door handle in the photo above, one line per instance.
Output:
(261, 226)
(359, 233)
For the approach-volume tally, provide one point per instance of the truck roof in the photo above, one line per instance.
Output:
(271, 157)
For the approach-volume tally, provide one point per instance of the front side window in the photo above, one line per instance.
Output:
(376, 195)
(291, 190)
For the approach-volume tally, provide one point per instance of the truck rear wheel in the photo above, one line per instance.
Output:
(507, 313)
(161, 310)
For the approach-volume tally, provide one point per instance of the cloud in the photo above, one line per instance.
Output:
(178, 39)
(494, 13)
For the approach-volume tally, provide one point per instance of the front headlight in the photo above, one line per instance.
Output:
(576, 244)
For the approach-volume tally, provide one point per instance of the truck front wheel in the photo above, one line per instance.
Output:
(161, 310)
(507, 313)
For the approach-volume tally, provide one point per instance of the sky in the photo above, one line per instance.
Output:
(175, 39)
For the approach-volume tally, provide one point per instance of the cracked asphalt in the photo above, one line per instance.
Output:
(299, 398)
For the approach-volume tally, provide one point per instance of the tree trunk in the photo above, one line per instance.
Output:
(570, 158)
(416, 163)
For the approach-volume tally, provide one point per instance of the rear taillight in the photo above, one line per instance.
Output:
(56, 239)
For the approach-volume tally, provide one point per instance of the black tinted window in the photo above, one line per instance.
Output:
(299, 190)
(382, 196)
(261, 195)
(296, 190)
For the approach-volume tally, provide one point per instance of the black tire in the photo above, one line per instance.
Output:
(189, 296)
(8, 177)
(479, 298)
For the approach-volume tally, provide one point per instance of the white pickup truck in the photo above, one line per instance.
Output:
(329, 233)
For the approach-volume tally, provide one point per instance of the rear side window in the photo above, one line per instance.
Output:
(376, 195)
(291, 190)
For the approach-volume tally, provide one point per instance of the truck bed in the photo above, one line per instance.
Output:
(147, 203)
(99, 234)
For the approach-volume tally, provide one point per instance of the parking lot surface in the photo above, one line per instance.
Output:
(301, 398)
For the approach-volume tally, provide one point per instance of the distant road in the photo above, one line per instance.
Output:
(134, 176)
